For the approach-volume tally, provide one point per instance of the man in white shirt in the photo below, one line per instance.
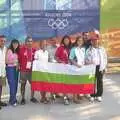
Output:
(100, 60)
(42, 56)
(51, 48)
(3, 50)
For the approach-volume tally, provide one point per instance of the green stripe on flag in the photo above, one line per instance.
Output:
(62, 78)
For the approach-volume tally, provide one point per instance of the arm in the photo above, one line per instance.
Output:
(75, 63)
(58, 55)
(36, 56)
(105, 59)
(72, 57)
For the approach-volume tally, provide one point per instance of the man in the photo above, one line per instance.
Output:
(26, 55)
(51, 48)
(100, 60)
(3, 51)
(86, 40)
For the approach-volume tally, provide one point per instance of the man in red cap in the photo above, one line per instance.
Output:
(100, 60)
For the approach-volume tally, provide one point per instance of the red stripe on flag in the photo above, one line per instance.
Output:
(63, 88)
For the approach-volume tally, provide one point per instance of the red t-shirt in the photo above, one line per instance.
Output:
(62, 54)
(25, 55)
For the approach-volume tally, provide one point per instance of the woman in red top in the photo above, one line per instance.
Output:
(62, 52)
(62, 56)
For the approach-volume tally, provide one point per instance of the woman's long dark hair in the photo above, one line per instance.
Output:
(12, 48)
(63, 43)
(75, 43)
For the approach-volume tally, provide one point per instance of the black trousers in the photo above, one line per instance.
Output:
(99, 82)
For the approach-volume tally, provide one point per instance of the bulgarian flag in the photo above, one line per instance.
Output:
(63, 78)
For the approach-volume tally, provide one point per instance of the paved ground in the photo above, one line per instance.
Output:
(109, 109)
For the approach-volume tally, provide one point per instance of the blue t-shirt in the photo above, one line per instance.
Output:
(72, 55)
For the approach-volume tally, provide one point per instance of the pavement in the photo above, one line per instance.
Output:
(108, 109)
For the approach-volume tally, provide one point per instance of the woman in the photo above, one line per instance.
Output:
(76, 57)
(42, 55)
(62, 56)
(12, 70)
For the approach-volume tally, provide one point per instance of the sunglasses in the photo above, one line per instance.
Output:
(2, 40)
(29, 41)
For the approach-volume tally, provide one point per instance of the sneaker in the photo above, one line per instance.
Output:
(66, 101)
(44, 100)
(14, 105)
(53, 98)
(92, 99)
(57, 96)
(34, 100)
(99, 99)
(87, 96)
(3, 104)
(23, 102)
(76, 101)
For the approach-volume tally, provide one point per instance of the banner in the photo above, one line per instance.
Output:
(57, 23)
(43, 19)
(56, 18)
(63, 78)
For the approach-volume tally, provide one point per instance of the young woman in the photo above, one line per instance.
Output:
(12, 70)
(42, 55)
(77, 56)
(62, 56)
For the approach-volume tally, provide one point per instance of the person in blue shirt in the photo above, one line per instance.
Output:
(76, 57)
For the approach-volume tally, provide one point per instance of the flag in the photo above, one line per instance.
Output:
(63, 78)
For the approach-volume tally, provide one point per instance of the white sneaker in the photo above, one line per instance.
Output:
(99, 99)
(15, 104)
(91, 99)
(66, 101)
(88, 96)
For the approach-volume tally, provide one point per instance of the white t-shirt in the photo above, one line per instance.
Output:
(41, 55)
(97, 56)
(2, 62)
(101, 58)
(80, 55)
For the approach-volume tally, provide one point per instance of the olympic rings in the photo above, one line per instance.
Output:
(57, 23)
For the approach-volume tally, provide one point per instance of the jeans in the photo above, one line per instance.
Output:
(99, 82)
(12, 76)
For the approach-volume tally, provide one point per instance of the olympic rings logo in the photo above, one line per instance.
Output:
(57, 23)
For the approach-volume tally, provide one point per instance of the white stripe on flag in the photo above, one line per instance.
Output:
(60, 68)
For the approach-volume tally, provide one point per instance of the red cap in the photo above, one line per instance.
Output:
(95, 37)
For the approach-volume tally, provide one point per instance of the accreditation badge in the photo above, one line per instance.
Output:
(29, 65)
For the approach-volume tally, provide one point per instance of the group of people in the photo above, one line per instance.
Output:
(16, 64)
